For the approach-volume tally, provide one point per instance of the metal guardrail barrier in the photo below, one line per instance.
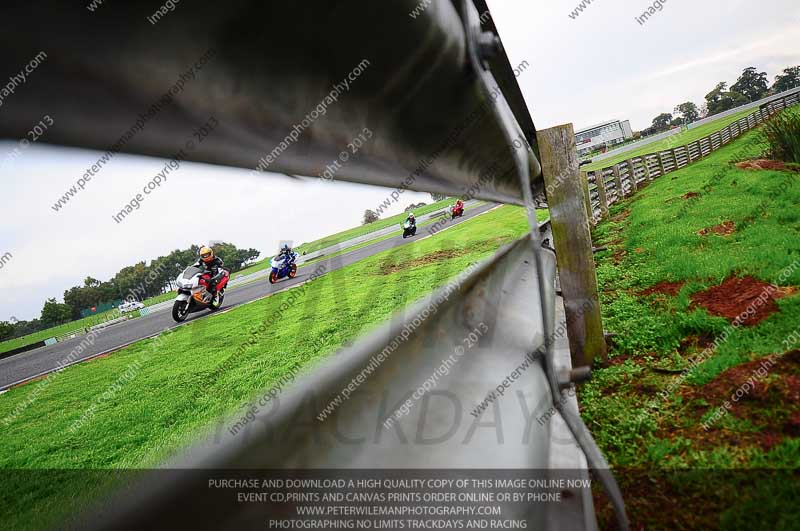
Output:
(263, 92)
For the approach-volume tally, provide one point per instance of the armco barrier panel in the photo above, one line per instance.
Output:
(20, 350)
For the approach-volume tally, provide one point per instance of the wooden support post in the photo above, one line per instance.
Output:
(601, 191)
(661, 163)
(573, 244)
(587, 195)
(618, 182)
(674, 158)
(646, 166)
(632, 173)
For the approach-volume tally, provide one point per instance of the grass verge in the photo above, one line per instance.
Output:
(687, 253)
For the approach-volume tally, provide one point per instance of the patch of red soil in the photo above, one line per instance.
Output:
(766, 392)
(621, 216)
(792, 426)
(389, 268)
(697, 342)
(725, 228)
(639, 249)
(645, 388)
(690, 195)
(664, 287)
(768, 441)
(613, 362)
(765, 164)
(769, 379)
(750, 377)
(747, 296)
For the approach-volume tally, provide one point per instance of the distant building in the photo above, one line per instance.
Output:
(606, 134)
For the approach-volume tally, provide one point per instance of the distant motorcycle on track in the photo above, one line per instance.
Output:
(457, 210)
(193, 294)
(282, 268)
(409, 229)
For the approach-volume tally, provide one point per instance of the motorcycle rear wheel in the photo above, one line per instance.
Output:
(293, 272)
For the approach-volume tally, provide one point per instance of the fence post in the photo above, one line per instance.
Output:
(632, 173)
(601, 191)
(587, 195)
(674, 158)
(573, 244)
(661, 163)
(618, 182)
(646, 165)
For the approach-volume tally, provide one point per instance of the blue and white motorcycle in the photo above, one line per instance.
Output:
(282, 267)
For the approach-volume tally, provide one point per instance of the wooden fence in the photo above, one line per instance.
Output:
(606, 186)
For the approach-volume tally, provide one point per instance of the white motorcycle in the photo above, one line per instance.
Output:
(409, 229)
(193, 294)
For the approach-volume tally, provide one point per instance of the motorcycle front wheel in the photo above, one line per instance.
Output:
(180, 311)
(273, 277)
(216, 307)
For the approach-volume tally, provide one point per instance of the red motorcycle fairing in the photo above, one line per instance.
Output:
(206, 277)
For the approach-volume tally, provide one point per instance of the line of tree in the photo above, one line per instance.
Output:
(135, 282)
(751, 86)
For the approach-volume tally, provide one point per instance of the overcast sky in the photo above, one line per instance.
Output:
(601, 65)
(604, 65)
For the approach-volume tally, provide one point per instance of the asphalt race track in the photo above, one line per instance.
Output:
(27, 365)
